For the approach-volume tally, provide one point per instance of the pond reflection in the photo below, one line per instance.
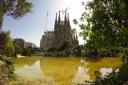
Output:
(107, 71)
(55, 71)
(80, 76)
(33, 75)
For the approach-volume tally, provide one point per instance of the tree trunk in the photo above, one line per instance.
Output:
(1, 20)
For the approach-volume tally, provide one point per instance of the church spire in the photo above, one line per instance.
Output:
(65, 18)
(56, 16)
(55, 22)
(68, 21)
(59, 19)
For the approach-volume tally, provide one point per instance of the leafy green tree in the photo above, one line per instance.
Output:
(52, 49)
(6, 43)
(14, 8)
(104, 23)
(18, 49)
(73, 31)
(65, 46)
(28, 51)
(2, 41)
(9, 47)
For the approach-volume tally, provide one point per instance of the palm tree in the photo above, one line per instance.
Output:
(14, 8)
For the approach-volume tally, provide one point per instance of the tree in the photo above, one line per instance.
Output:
(2, 40)
(9, 47)
(9, 62)
(73, 31)
(14, 8)
(104, 23)
(28, 51)
(65, 46)
(6, 44)
(18, 49)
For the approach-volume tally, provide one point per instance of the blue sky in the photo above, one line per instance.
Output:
(31, 26)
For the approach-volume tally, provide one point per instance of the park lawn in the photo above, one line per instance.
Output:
(63, 69)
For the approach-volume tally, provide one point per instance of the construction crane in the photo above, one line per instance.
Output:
(46, 21)
(63, 11)
(68, 7)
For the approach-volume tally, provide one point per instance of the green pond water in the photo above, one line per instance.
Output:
(59, 71)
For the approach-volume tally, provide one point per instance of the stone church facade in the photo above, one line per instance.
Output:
(62, 34)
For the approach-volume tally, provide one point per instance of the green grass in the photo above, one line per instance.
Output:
(63, 69)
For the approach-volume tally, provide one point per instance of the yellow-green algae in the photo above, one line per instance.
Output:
(105, 62)
(63, 69)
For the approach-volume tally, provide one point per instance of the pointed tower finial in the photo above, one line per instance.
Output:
(59, 17)
(56, 16)
(68, 16)
(55, 25)
(65, 18)
(68, 21)
(56, 19)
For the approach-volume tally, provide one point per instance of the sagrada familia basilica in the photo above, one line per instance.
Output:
(61, 34)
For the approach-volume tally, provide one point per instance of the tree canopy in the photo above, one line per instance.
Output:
(104, 23)
(14, 8)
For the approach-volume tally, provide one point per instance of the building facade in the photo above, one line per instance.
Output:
(29, 44)
(22, 43)
(47, 40)
(61, 35)
(19, 42)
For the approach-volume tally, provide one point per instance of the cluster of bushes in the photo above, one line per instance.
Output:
(62, 53)
(9, 49)
(56, 53)
(6, 44)
(91, 53)
(28, 51)
(64, 50)
(94, 53)
(9, 61)
(7, 52)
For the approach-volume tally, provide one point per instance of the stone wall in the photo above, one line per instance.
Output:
(3, 74)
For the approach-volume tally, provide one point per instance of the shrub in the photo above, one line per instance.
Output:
(18, 49)
(9, 64)
(77, 51)
(7, 44)
(27, 51)
(52, 49)
(92, 54)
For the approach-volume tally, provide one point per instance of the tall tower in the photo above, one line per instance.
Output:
(56, 22)
(46, 41)
(68, 23)
(65, 18)
(62, 34)
(62, 31)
